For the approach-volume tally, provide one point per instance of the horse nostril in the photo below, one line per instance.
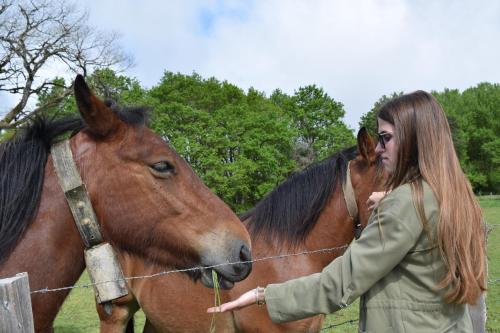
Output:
(242, 265)
(245, 267)
(245, 253)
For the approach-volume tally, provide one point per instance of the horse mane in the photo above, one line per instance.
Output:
(291, 210)
(130, 115)
(22, 168)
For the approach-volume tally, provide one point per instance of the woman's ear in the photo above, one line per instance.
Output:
(366, 145)
(100, 119)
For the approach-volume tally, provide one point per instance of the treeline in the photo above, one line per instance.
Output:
(474, 117)
(243, 143)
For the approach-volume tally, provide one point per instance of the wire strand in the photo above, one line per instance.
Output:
(281, 256)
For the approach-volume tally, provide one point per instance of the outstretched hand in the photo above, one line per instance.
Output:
(248, 298)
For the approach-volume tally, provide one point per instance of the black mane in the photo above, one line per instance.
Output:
(22, 168)
(291, 210)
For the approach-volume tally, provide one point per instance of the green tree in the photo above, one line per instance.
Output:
(121, 89)
(369, 119)
(483, 104)
(240, 144)
(318, 120)
(5, 135)
(56, 102)
(453, 104)
(105, 83)
(474, 117)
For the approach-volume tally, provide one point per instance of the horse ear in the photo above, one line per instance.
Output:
(100, 119)
(366, 145)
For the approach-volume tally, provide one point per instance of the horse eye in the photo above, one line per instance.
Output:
(163, 167)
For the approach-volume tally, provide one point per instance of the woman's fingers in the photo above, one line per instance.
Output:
(224, 307)
(248, 298)
(374, 199)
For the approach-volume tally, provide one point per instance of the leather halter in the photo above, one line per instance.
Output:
(350, 201)
(76, 194)
(102, 265)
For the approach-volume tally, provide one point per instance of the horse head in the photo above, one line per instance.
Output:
(367, 174)
(148, 200)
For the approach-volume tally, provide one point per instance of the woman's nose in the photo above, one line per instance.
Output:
(379, 149)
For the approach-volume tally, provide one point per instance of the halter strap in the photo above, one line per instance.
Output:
(76, 194)
(350, 201)
(101, 261)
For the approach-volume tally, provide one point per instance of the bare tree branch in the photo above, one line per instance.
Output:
(25, 115)
(38, 34)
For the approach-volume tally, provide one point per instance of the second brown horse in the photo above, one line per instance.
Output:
(307, 212)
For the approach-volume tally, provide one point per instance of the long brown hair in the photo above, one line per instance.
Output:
(426, 152)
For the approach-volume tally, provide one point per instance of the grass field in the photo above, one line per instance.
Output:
(78, 312)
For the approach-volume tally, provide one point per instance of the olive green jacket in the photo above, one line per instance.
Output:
(393, 267)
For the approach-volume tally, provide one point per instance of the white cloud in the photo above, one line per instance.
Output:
(357, 50)
(360, 50)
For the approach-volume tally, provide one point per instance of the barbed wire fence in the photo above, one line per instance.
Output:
(328, 328)
(163, 273)
(275, 257)
(86, 286)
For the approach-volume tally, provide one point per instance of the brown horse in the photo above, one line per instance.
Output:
(307, 212)
(150, 204)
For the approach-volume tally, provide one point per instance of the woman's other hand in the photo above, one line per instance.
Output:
(374, 199)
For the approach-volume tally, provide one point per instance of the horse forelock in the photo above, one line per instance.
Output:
(130, 115)
(290, 211)
(22, 167)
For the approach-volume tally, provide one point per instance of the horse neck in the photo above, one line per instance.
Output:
(51, 251)
(333, 229)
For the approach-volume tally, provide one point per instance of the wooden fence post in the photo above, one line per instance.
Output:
(15, 305)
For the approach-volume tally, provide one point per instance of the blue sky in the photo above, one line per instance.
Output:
(211, 14)
(356, 50)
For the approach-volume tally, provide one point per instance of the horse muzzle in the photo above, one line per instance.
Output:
(236, 268)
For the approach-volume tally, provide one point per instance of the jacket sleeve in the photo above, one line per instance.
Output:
(383, 244)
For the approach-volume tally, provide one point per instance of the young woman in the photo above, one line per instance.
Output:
(421, 259)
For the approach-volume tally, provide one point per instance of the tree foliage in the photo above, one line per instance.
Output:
(242, 144)
(239, 143)
(318, 120)
(369, 119)
(474, 117)
(104, 82)
(39, 35)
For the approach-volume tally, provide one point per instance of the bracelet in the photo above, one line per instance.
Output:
(260, 298)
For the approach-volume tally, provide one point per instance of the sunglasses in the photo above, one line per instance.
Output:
(384, 138)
